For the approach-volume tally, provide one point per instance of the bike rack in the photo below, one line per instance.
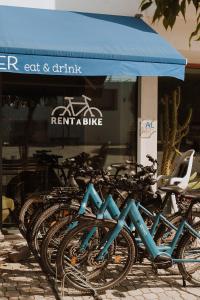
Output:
(71, 269)
(54, 283)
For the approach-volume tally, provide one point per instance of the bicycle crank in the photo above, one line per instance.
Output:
(163, 262)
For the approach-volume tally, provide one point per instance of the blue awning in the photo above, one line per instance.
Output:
(38, 41)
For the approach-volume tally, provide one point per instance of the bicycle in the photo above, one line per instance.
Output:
(98, 254)
(97, 204)
(69, 109)
(36, 202)
(108, 209)
(31, 209)
(48, 173)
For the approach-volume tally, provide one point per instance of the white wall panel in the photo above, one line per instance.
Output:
(30, 3)
(116, 7)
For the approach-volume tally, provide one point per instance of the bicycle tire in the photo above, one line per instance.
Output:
(38, 214)
(84, 224)
(23, 225)
(54, 230)
(182, 246)
(45, 259)
(174, 219)
(34, 219)
(33, 235)
(99, 115)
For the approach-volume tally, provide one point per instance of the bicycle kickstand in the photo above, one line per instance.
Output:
(96, 296)
(93, 292)
(154, 269)
(184, 282)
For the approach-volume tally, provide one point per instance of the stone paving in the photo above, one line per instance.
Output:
(25, 281)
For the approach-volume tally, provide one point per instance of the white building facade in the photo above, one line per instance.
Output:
(147, 87)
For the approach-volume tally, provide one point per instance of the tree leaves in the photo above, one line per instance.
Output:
(196, 4)
(170, 9)
(195, 34)
(183, 8)
(145, 4)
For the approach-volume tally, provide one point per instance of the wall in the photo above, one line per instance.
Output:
(30, 3)
(125, 7)
(115, 7)
(147, 119)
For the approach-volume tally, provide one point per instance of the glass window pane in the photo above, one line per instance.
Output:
(67, 116)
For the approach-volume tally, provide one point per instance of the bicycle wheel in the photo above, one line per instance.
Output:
(164, 233)
(93, 112)
(52, 239)
(31, 205)
(48, 218)
(79, 266)
(50, 244)
(189, 248)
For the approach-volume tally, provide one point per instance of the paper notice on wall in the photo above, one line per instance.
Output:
(148, 128)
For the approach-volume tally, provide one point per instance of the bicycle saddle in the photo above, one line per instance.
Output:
(172, 189)
(190, 194)
(119, 166)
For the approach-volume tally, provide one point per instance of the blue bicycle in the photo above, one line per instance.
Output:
(99, 253)
(107, 209)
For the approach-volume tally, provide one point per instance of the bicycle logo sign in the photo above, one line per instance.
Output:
(84, 114)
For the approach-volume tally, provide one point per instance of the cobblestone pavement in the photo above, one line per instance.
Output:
(25, 281)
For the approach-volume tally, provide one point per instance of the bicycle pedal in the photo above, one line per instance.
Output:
(162, 262)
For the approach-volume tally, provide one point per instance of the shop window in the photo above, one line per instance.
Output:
(190, 91)
(30, 103)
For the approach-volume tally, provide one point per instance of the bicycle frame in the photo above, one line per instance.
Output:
(145, 235)
(107, 209)
(110, 210)
(70, 108)
(71, 103)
